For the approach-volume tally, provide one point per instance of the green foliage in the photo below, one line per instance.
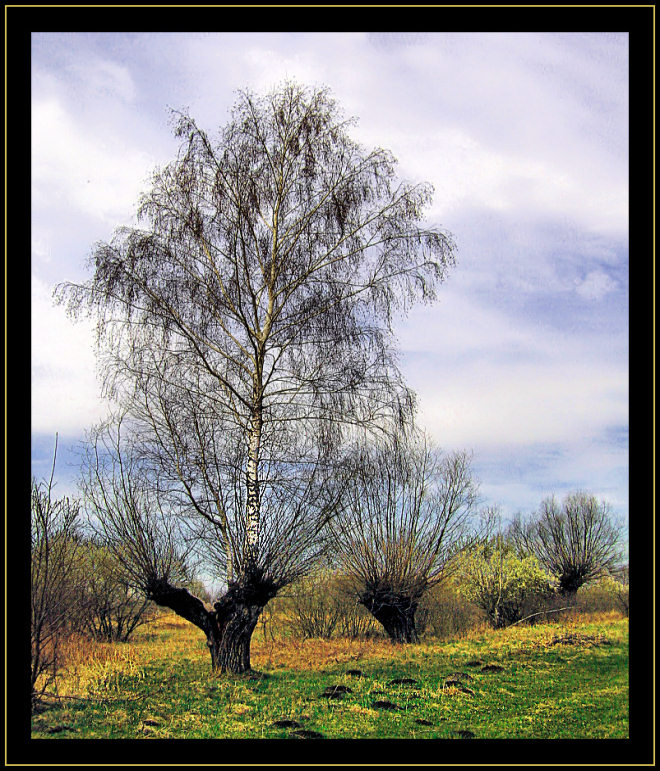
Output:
(504, 585)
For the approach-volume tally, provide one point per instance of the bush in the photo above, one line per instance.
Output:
(109, 608)
(322, 605)
(506, 587)
(444, 612)
(315, 610)
(606, 594)
(55, 544)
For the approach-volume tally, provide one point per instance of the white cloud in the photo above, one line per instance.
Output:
(65, 393)
(595, 285)
(517, 404)
(484, 379)
(104, 79)
(76, 169)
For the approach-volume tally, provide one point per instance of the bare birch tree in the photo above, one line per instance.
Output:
(406, 517)
(248, 325)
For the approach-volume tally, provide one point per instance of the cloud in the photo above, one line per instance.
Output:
(65, 393)
(487, 379)
(518, 404)
(77, 170)
(595, 285)
(103, 79)
(519, 478)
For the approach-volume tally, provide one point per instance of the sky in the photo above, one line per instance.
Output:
(524, 358)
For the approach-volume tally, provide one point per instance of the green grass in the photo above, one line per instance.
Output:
(161, 687)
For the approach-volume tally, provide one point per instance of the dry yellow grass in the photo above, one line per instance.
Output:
(90, 667)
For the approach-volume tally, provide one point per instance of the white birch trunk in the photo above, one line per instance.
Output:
(252, 508)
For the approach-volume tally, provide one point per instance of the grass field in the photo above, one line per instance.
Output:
(566, 679)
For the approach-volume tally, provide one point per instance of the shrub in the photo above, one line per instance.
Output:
(109, 608)
(606, 594)
(54, 551)
(445, 612)
(505, 586)
(323, 605)
(315, 609)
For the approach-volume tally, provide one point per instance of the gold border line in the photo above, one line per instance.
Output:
(296, 765)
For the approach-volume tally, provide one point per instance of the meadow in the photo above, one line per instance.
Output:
(562, 679)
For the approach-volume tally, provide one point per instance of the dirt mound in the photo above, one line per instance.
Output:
(384, 704)
(286, 723)
(422, 721)
(56, 729)
(474, 663)
(303, 733)
(355, 673)
(492, 668)
(451, 683)
(404, 681)
(464, 734)
(576, 638)
(336, 692)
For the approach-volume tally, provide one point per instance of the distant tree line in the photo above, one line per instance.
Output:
(406, 553)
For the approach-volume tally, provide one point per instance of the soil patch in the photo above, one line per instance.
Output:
(449, 683)
(384, 704)
(575, 638)
(303, 733)
(404, 681)
(286, 724)
(336, 692)
(56, 729)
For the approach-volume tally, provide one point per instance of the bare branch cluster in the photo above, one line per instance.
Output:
(405, 517)
(55, 542)
(576, 540)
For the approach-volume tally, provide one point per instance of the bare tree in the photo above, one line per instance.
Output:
(405, 519)
(248, 326)
(54, 550)
(576, 541)
(110, 608)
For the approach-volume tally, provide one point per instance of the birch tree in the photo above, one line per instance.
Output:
(246, 327)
